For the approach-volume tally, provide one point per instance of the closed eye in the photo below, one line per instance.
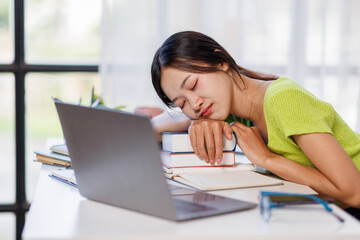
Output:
(179, 103)
(193, 88)
(182, 105)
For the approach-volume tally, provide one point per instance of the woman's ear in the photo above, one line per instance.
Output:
(224, 66)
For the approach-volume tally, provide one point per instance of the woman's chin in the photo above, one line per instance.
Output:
(217, 118)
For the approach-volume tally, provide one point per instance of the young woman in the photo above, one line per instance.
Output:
(293, 134)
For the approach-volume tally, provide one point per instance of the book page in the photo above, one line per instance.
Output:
(66, 174)
(236, 168)
(226, 180)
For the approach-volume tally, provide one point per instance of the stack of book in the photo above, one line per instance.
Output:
(177, 152)
(57, 155)
(181, 164)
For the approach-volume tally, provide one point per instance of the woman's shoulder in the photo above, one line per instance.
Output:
(283, 84)
(295, 110)
(285, 87)
(286, 94)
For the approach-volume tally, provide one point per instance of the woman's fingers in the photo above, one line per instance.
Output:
(206, 137)
(237, 133)
(239, 125)
(210, 146)
(200, 144)
(228, 131)
(218, 139)
(240, 132)
(193, 141)
(218, 148)
(251, 143)
(197, 142)
(214, 145)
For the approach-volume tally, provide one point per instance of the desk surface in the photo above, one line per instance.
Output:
(58, 211)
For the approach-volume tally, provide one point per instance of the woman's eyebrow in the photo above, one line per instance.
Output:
(182, 86)
(184, 81)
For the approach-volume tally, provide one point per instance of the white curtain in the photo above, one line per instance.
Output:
(314, 42)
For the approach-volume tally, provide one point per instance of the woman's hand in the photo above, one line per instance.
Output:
(206, 137)
(251, 143)
(150, 112)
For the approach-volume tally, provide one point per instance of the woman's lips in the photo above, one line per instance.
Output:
(207, 111)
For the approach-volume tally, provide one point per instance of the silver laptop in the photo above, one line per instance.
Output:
(116, 159)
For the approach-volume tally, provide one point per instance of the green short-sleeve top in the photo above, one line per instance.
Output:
(289, 110)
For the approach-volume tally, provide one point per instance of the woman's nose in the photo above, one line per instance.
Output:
(197, 103)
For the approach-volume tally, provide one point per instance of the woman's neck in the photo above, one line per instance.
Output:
(248, 100)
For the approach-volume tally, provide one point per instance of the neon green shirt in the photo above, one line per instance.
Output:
(291, 110)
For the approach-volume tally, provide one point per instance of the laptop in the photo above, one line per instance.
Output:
(116, 160)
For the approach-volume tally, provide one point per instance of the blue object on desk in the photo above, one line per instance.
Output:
(63, 180)
(266, 204)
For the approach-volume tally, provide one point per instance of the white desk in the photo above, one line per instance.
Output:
(59, 212)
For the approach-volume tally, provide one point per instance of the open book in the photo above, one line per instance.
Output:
(243, 174)
(208, 181)
(237, 167)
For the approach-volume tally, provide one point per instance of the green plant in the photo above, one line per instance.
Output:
(98, 101)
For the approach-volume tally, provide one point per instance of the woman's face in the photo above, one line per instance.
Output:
(205, 95)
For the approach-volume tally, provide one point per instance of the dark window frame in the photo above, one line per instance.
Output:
(20, 68)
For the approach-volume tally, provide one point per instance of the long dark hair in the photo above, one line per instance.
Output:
(194, 52)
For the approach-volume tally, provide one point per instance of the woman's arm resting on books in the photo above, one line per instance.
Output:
(206, 137)
(166, 123)
(335, 174)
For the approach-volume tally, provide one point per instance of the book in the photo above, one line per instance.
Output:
(179, 142)
(52, 158)
(219, 169)
(64, 175)
(225, 180)
(182, 160)
(60, 149)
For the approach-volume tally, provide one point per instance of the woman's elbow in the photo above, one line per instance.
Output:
(353, 199)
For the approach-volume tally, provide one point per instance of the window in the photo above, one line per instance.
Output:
(7, 138)
(42, 122)
(46, 50)
(62, 31)
(6, 31)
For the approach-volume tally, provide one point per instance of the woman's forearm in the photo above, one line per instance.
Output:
(335, 174)
(167, 123)
(309, 176)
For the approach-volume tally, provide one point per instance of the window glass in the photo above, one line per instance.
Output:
(6, 31)
(251, 40)
(354, 33)
(333, 32)
(42, 123)
(7, 226)
(7, 138)
(62, 31)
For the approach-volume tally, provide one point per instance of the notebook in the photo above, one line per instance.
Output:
(116, 160)
(65, 175)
